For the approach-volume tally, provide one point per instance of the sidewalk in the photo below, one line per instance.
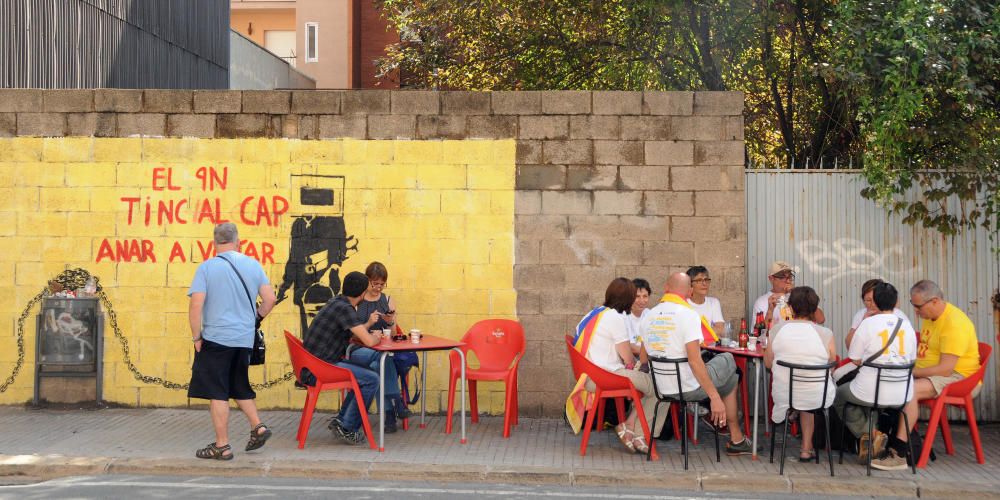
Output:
(47, 443)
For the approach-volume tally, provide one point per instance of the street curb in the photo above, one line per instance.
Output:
(25, 468)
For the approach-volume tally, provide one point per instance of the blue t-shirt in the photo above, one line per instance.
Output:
(228, 318)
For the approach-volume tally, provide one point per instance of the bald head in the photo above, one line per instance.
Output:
(679, 284)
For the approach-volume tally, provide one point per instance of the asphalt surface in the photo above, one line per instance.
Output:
(130, 486)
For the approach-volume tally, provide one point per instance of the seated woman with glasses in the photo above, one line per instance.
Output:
(800, 341)
(379, 312)
(709, 307)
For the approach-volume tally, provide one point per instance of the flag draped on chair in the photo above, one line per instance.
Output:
(579, 398)
(707, 333)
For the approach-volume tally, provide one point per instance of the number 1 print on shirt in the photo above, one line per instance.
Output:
(885, 341)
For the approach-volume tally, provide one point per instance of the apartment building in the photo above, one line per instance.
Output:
(334, 42)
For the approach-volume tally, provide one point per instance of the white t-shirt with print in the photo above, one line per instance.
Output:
(666, 331)
(609, 332)
(634, 324)
(860, 315)
(869, 338)
(711, 310)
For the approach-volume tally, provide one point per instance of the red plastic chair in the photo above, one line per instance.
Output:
(498, 357)
(955, 394)
(609, 386)
(328, 377)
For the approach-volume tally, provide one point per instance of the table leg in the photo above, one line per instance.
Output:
(381, 401)
(423, 385)
(462, 356)
(758, 365)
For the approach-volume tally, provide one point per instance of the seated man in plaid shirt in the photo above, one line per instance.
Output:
(327, 339)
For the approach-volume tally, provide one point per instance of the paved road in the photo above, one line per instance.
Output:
(129, 487)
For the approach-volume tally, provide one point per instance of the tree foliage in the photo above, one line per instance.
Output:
(906, 88)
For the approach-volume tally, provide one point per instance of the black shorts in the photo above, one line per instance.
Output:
(221, 373)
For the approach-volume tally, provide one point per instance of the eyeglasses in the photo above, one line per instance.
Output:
(702, 280)
(919, 306)
(377, 284)
(784, 277)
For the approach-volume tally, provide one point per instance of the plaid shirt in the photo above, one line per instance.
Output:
(330, 331)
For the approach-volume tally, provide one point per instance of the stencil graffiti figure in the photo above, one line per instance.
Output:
(319, 245)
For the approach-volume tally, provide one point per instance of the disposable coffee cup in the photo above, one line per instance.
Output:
(415, 336)
(387, 333)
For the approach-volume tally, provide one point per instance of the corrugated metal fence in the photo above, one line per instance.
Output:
(114, 43)
(818, 221)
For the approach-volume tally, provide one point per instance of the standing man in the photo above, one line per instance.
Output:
(327, 338)
(948, 352)
(774, 304)
(222, 328)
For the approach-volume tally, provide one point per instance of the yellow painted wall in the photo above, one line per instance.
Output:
(439, 214)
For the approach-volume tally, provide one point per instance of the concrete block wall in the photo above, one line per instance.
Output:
(607, 184)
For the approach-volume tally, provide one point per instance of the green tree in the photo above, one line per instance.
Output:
(927, 79)
(773, 51)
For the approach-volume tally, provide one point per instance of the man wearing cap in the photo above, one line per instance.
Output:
(327, 338)
(774, 304)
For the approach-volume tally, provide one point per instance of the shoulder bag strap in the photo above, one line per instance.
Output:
(873, 357)
(253, 306)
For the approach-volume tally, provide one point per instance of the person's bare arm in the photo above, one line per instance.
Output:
(361, 333)
(195, 307)
(718, 408)
(818, 317)
(719, 327)
(267, 300)
(945, 367)
(624, 351)
(849, 338)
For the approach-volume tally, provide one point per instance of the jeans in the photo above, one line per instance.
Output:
(350, 417)
(369, 358)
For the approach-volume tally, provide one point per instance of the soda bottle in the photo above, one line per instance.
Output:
(744, 335)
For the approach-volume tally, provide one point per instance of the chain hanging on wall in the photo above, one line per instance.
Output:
(74, 279)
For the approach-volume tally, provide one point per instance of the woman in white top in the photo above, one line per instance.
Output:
(869, 310)
(871, 338)
(800, 341)
(709, 307)
(609, 349)
(634, 316)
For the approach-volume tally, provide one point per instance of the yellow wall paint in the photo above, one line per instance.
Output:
(439, 214)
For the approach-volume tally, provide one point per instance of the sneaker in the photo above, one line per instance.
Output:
(350, 437)
(744, 447)
(889, 460)
(390, 425)
(335, 423)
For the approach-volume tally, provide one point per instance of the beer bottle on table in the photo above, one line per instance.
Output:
(744, 335)
(759, 326)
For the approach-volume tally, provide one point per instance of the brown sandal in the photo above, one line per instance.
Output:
(257, 440)
(214, 452)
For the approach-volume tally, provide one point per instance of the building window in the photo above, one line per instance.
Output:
(312, 42)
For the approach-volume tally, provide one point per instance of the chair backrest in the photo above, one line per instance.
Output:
(496, 342)
(667, 367)
(805, 376)
(301, 358)
(601, 377)
(966, 385)
(891, 375)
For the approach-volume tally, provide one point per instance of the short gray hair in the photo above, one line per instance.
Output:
(226, 233)
(927, 289)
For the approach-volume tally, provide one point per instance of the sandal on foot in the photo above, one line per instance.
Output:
(214, 452)
(257, 440)
(807, 456)
(626, 436)
(639, 442)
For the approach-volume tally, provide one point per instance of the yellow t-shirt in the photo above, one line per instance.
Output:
(951, 333)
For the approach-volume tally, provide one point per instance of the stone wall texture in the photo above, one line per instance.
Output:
(608, 183)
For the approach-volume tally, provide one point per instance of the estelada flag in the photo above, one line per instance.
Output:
(707, 333)
(579, 398)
